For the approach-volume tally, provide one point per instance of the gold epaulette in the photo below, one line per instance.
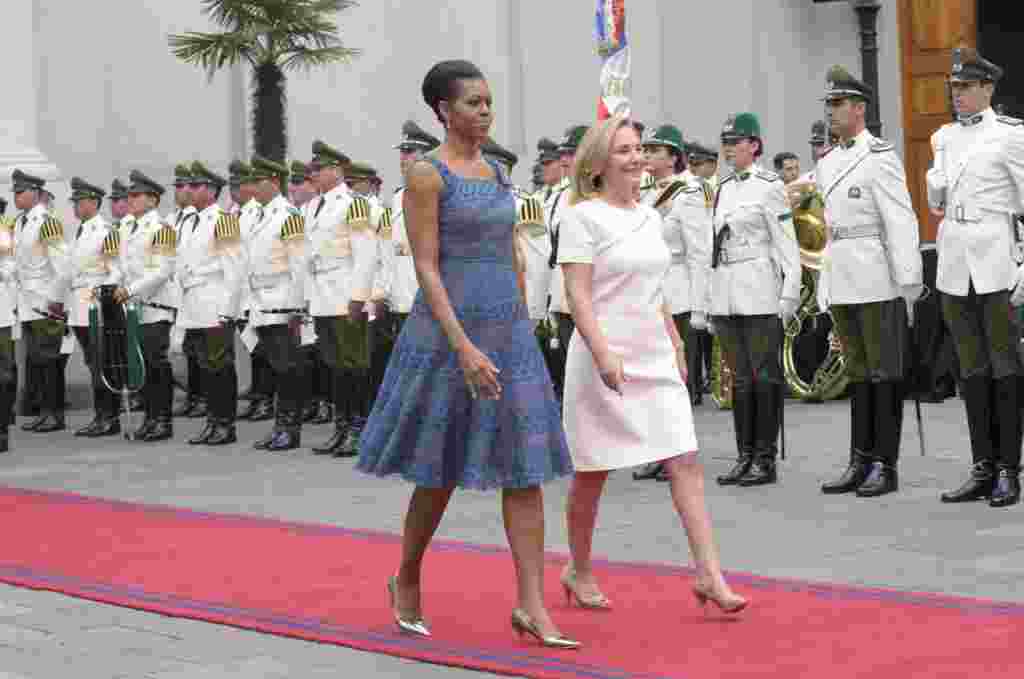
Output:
(227, 228)
(165, 241)
(52, 230)
(384, 225)
(293, 227)
(358, 216)
(709, 194)
(112, 243)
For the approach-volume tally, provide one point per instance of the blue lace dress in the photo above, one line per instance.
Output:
(424, 424)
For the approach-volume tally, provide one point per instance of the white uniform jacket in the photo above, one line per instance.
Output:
(248, 215)
(211, 270)
(342, 253)
(872, 245)
(148, 256)
(661, 191)
(534, 243)
(276, 263)
(41, 255)
(402, 283)
(8, 273)
(92, 261)
(558, 202)
(688, 233)
(978, 176)
(179, 217)
(760, 258)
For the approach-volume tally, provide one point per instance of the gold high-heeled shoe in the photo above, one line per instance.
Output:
(596, 601)
(704, 593)
(523, 624)
(417, 626)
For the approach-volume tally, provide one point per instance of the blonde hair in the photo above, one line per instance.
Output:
(592, 157)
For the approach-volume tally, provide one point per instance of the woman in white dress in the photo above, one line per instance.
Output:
(626, 402)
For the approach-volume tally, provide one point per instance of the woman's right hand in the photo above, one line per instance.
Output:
(610, 367)
(480, 373)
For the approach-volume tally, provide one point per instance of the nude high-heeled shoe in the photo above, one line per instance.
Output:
(417, 626)
(522, 623)
(733, 603)
(593, 601)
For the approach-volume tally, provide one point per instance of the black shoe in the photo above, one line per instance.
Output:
(87, 430)
(222, 434)
(977, 487)
(650, 471)
(1006, 491)
(852, 478)
(140, 433)
(264, 442)
(263, 411)
(762, 472)
(109, 426)
(161, 429)
(881, 480)
(350, 446)
(198, 410)
(334, 443)
(285, 439)
(185, 407)
(201, 438)
(250, 408)
(310, 412)
(51, 422)
(323, 414)
(738, 471)
(31, 426)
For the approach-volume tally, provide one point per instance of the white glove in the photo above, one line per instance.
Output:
(1017, 298)
(698, 320)
(710, 326)
(787, 309)
(910, 295)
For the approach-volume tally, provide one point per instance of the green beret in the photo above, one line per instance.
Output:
(182, 175)
(203, 175)
(968, 66)
(741, 126)
(23, 181)
(264, 168)
(499, 153)
(667, 135)
(83, 190)
(140, 183)
(118, 191)
(573, 137)
(415, 138)
(300, 173)
(839, 84)
(360, 171)
(325, 156)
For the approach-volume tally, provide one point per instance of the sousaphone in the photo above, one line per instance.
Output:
(114, 331)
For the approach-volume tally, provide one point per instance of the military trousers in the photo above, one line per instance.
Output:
(42, 339)
(213, 349)
(284, 353)
(875, 339)
(384, 332)
(985, 335)
(566, 326)
(158, 391)
(693, 355)
(344, 345)
(104, 401)
(8, 378)
(752, 346)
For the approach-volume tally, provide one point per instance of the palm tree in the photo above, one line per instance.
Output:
(274, 37)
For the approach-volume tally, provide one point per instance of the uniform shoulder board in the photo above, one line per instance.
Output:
(881, 145)
(51, 230)
(531, 212)
(293, 227)
(112, 243)
(1008, 120)
(726, 179)
(669, 192)
(227, 228)
(768, 176)
(709, 193)
(358, 216)
(165, 240)
(384, 224)
(292, 210)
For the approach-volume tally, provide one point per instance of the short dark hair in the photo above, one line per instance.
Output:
(781, 158)
(441, 82)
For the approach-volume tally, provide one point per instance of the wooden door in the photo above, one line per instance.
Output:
(929, 29)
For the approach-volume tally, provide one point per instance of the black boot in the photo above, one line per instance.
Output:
(861, 441)
(200, 409)
(185, 407)
(888, 406)
(263, 410)
(39, 419)
(977, 396)
(223, 433)
(288, 434)
(333, 444)
(882, 479)
(264, 443)
(89, 430)
(324, 413)
(350, 446)
(111, 426)
(763, 471)
(360, 399)
(4, 440)
(203, 436)
(310, 411)
(161, 429)
(249, 408)
(1006, 490)
(52, 421)
(743, 413)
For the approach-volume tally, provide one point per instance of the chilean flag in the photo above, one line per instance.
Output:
(613, 48)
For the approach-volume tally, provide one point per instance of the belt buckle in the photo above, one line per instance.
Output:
(959, 213)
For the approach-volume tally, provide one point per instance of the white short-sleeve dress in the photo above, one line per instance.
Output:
(652, 420)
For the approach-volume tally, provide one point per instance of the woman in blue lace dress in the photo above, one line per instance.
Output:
(466, 400)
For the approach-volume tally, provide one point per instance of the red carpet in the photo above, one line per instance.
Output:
(328, 584)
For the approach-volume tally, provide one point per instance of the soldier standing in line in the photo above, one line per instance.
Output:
(703, 166)
(976, 185)
(871, 281)
(276, 287)
(92, 260)
(40, 253)
(342, 255)
(212, 269)
(8, 320)
(551, 166)
(755, 279)
(148, 253)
